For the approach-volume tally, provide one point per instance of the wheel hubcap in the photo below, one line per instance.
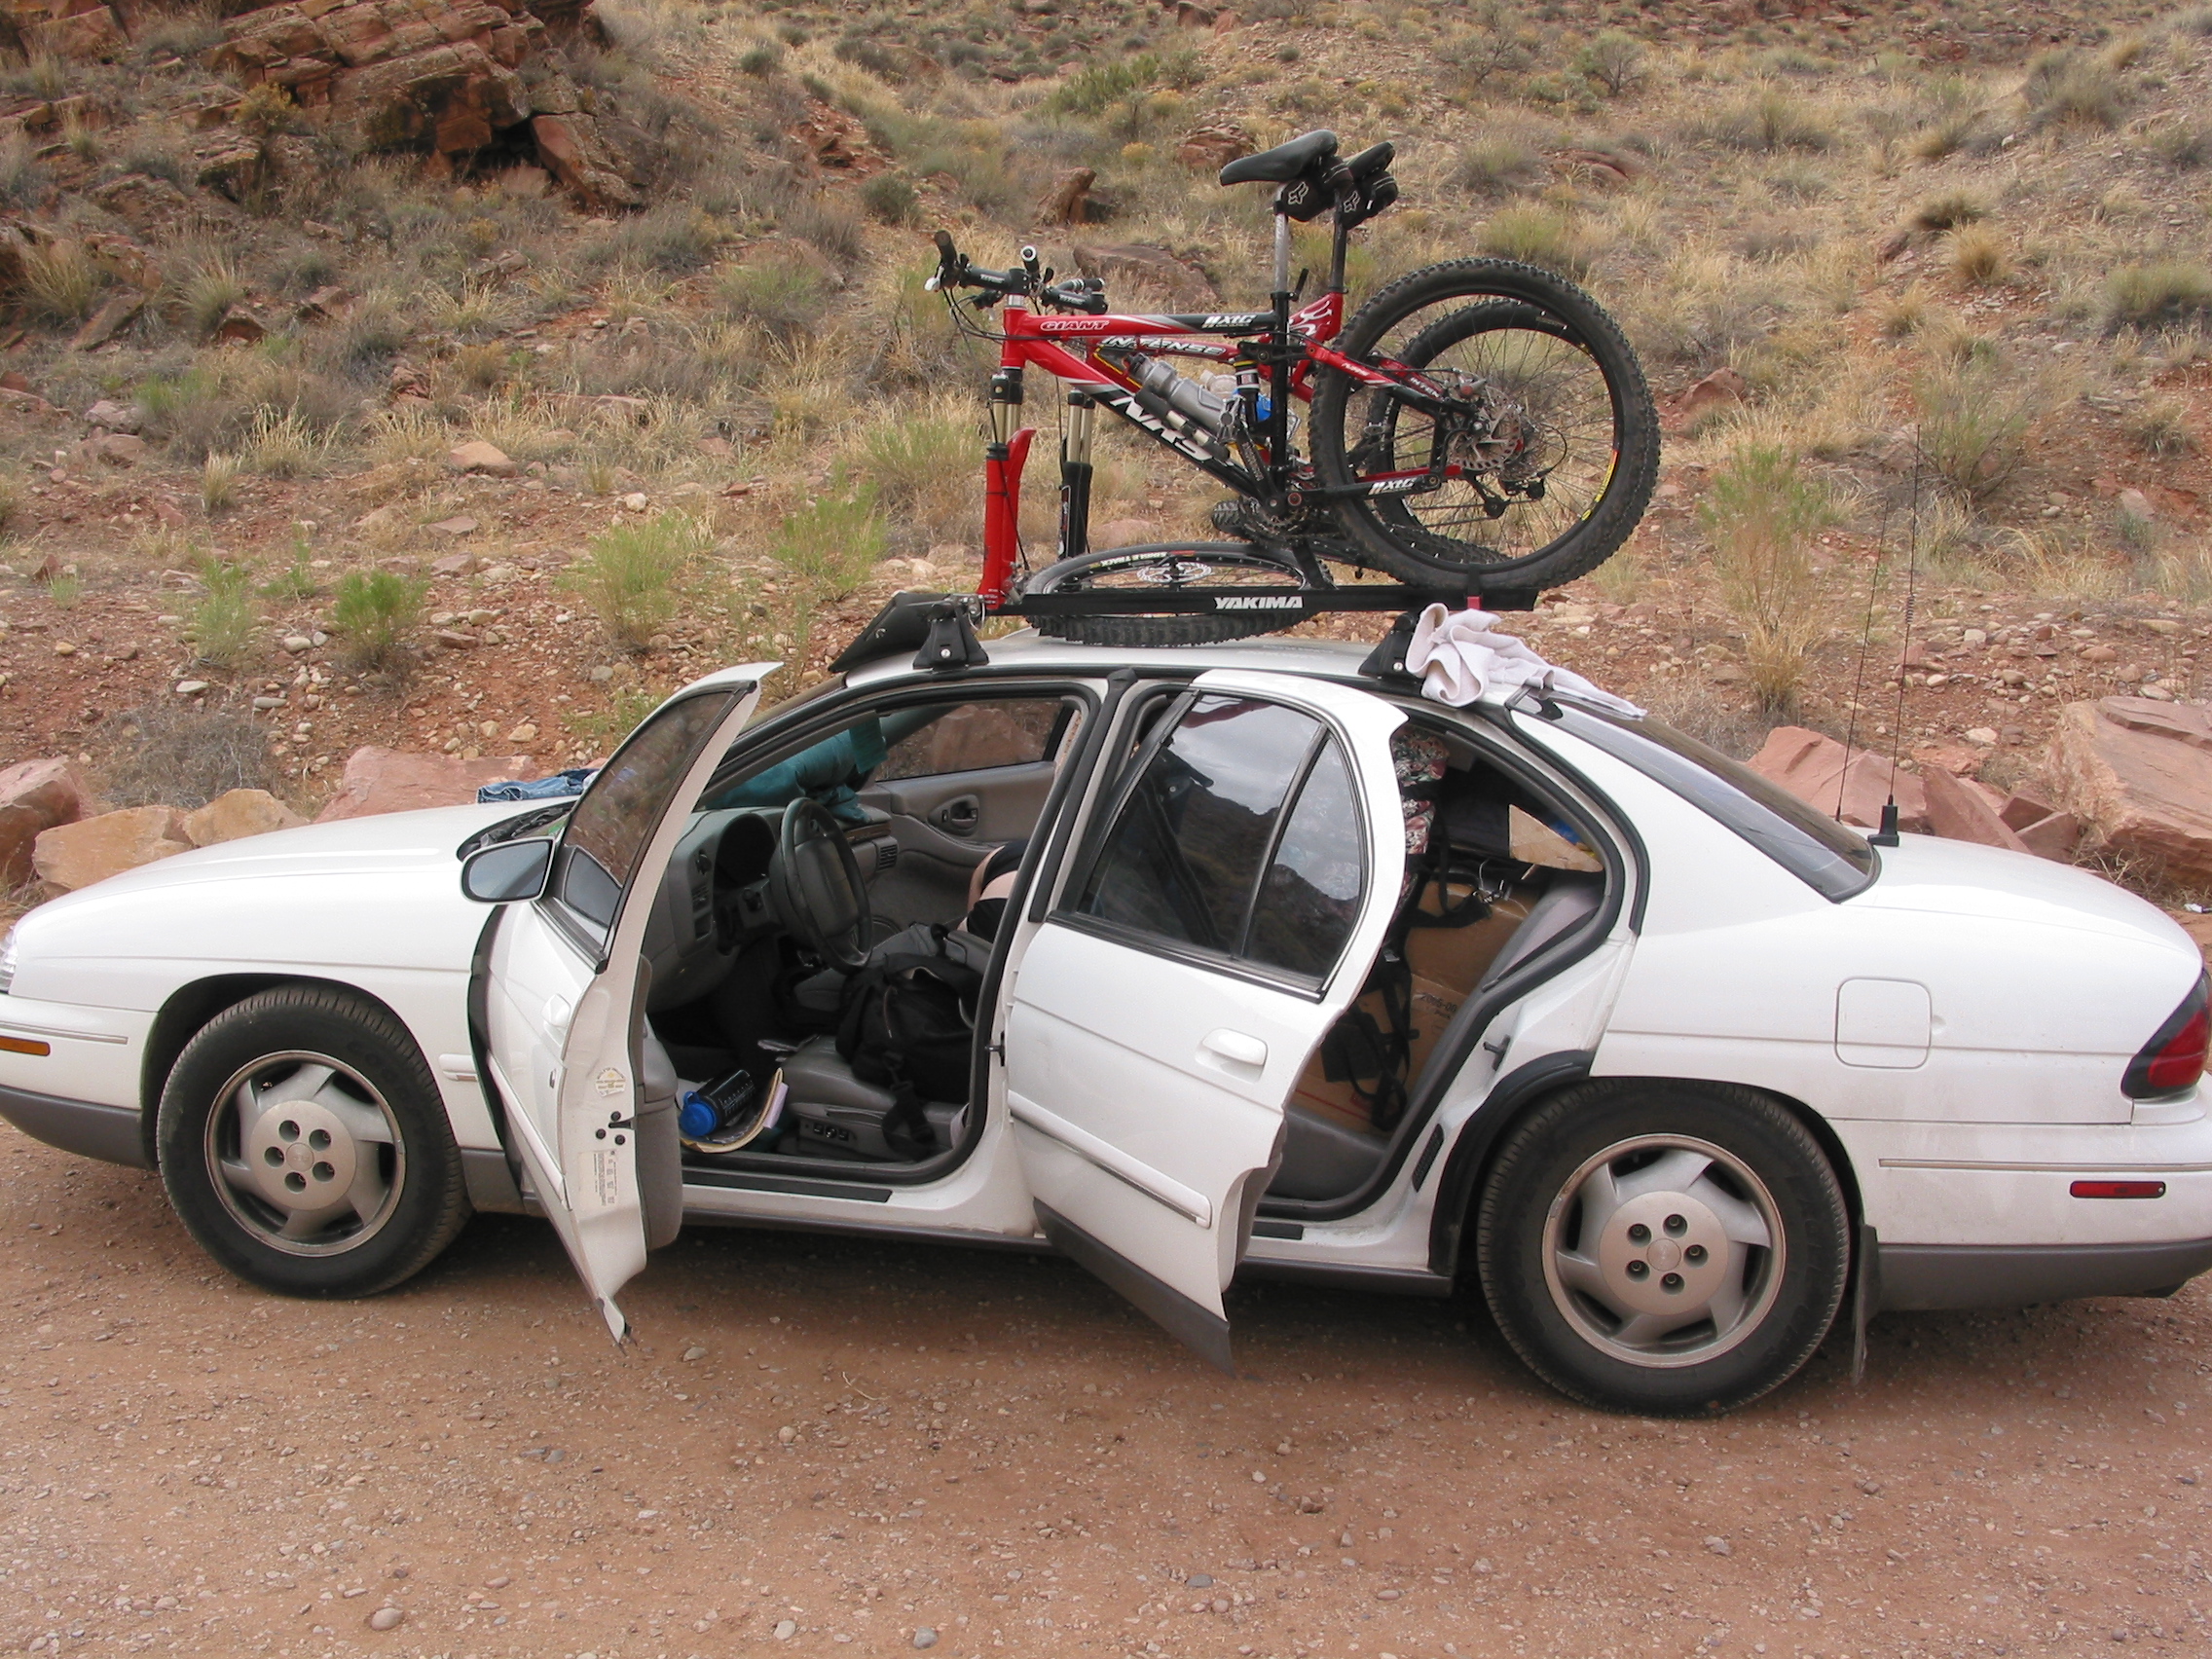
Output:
(1664, 1251)
(305, 1154)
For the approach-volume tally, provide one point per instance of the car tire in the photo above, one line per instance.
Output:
(1663, 1247)
(305, 1145)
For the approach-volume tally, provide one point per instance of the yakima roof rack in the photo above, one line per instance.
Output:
(940, 628)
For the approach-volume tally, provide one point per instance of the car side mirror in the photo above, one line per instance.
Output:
(507, 871)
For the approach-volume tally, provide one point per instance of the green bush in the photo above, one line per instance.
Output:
(372, 613)
(1974, 425)
(2158, 293)
(631, 574)
(1537, 236)
(2067, 86)
(1761, 512)
(222, 624)
(781, 291)
(889, 200)
(834, 541)
(1772, 120)
(1613, 60)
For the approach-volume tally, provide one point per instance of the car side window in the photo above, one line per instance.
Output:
(607, 831)
(975, 737)
(1240, 837)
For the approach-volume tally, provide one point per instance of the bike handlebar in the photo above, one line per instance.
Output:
(1032, 281)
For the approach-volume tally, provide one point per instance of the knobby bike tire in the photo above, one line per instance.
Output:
(1143, 632)
(1418, 555)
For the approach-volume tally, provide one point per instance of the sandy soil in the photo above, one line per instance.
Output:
(821, 1446)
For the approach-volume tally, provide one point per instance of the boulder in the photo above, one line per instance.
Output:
(1723, 385)
(477, 455)
(1812, 767)
(50, 789)
(19, 830)
(87, 34)
(1958, 811)
(237, 814)
(109, 320)
(388, 780)
(1075, 201)
(242, 325)
(115, 417)
(1214, 145)
(76, 855)
(2137, 772)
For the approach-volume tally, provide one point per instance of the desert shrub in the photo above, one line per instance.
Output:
(1613, 60)
(25, 181)
(2071, 88)
(2160, 430)
(366, 340)
(631, 574)
(1771, 120)
(834, 542)
(923, 459)
(166, 756)
(2180, 142)
(1978, 256)
(285, 443)
(207, 295)
(222, 623)
(2158, 293)
(266, 111)
(413, 433)
(1973, 419)
(761, 59)
(828, 225)
(1948, 133)
(219, 482)
(1497, 165)
(60, 282)
(1537, 236)
(889, 199)
(11, 504)
(780, 290)
(1948, 209)
(674, 237)
(372, 612)
(1495, 45)
(1761, 512)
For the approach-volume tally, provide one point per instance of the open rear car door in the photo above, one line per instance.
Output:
(1237, 881)
(563, 1009)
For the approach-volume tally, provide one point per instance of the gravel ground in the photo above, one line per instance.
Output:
(825, 1446)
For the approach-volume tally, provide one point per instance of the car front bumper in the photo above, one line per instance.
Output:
(109, 1133)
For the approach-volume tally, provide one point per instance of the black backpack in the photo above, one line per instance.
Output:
(909, 1024)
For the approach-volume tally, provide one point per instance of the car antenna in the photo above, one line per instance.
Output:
(1887, 835)
(1866, 643)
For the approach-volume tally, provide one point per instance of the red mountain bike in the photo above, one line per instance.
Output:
(1481, 425)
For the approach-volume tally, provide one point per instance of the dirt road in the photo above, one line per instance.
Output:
(820, 1447)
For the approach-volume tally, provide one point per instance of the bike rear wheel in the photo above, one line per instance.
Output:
(1162, 568)
(1550, 423)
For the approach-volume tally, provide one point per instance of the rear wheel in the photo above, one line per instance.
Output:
(1161, 568)
(1663, 1246)
(305, 1145)
(1546, 418)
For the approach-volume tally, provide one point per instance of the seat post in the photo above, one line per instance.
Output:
(1278, 371)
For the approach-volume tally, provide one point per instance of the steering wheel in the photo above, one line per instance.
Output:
(814, 884)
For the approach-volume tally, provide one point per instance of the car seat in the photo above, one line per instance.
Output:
(835, 1111)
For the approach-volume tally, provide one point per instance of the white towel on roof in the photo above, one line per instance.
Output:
(1459, 654)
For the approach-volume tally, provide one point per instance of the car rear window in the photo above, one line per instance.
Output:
(1831, 858)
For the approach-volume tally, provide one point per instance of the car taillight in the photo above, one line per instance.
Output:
(2174, 1058)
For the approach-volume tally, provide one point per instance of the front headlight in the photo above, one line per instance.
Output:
(8, 962)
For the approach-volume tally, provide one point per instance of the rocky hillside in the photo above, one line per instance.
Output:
(454, 377)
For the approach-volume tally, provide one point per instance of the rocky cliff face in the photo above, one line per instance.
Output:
(453, 78)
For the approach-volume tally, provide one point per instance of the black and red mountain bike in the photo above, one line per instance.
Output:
(1480, 427)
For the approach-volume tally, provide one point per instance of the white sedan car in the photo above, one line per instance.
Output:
(1299, 974)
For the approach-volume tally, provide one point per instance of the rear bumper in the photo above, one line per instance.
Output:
(109, 1133)
(1915, 1278)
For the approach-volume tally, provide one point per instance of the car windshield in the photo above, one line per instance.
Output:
(1833, 859)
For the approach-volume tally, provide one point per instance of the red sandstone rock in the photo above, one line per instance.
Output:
(2138, 774)
(386, 780)
(1812, 769)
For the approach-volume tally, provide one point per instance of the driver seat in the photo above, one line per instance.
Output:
(835, 1112)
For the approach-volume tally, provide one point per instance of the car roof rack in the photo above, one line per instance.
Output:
(940, 628)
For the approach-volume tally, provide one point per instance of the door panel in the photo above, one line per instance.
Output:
(1147, 1073)
(559, 1026)
(930, 881)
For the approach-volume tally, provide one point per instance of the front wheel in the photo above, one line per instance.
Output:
(304, 1144)
(1161, 569)
(1663, 1247)
(1502, 419)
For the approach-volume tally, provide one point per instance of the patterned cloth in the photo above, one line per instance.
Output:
(1418, 757)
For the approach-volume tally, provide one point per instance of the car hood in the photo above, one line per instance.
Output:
(380, 892)
(1960, 878)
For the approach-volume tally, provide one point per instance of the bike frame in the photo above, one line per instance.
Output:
(1074, 350)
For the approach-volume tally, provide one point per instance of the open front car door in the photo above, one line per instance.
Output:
(1238, 880)
(563, 1012)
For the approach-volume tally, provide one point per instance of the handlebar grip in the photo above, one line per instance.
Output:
(945, 246)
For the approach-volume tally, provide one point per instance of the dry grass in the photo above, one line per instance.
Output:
(1761, 512)
(168, 755)
(1978, 257)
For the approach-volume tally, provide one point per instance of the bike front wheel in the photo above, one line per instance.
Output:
(1502, 421)
(1165, 570)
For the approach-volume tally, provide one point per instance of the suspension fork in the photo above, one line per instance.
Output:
(1003, 460)
(1075, 474)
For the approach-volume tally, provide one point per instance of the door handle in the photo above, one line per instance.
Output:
(557, 1016)
(1235, 1048)
(959, 816)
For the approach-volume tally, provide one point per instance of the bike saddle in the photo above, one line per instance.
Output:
(1283, 163)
